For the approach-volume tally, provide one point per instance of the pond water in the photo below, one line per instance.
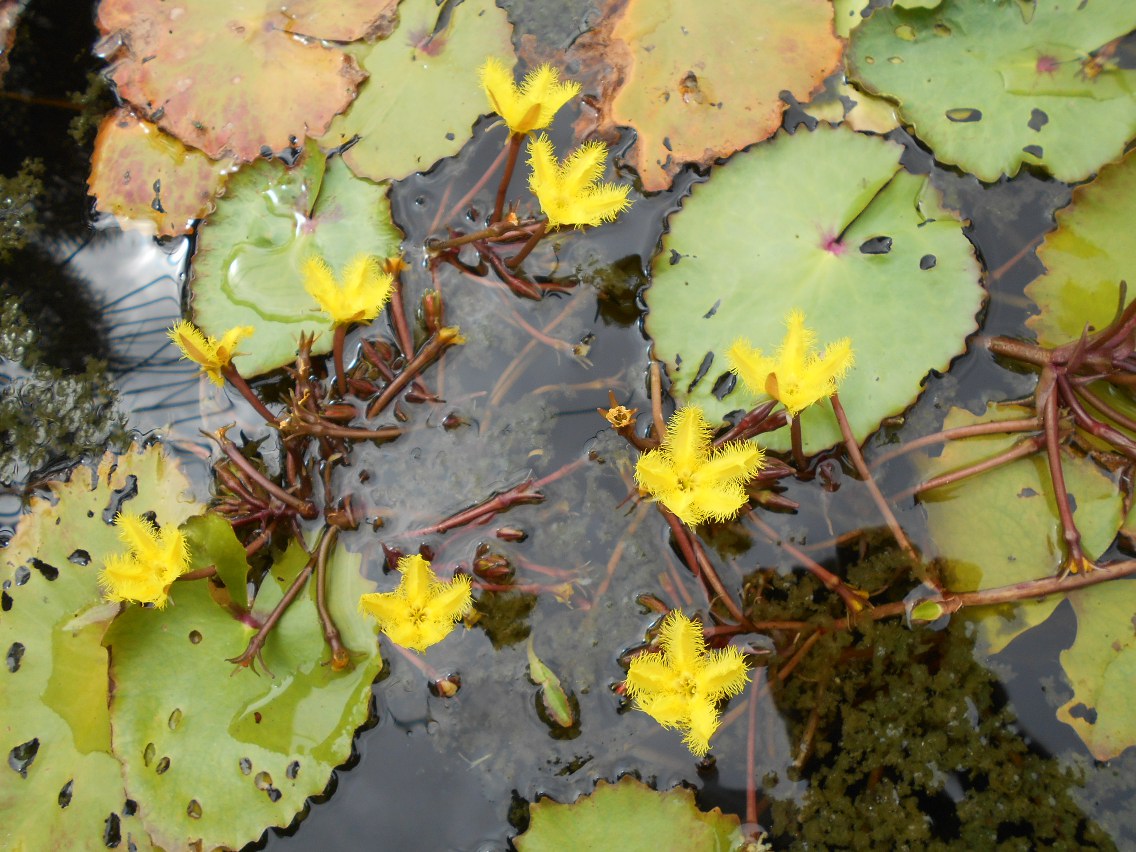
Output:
(431, 772)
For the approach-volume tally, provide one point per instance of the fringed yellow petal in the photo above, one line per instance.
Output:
(736, 461)
(670, 710)
(382, 606)
(749, 365)
(648, 674)
(417, 578)
(798, 377)
(688, 439)
(583, 167)
(703, 721)
(724, 675)
(361, 295)
(451, 600)
(718, 502)
(204, 351)
(533, 105)
(654, 473)
(154, 559)
(682, 642)
(568, 192)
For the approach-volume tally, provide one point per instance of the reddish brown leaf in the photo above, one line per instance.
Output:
(147, 178)
(224, 75)
(342, 20)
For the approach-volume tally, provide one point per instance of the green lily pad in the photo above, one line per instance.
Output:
(223, 75)
(695, 92)
(216, 758)
(344, 20)
(992, 86)
(1087, 256)
(1001, 527)
(250, 252)
(145, 177)
(67, 792)
(643, 820)
(867, 252)
(424, 94)
(1101, 666)
(212, 542)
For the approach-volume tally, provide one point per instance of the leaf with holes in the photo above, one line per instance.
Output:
(1001, 527)
(246, 270)
(64, 790)
(224, 75)
(643, 819)
(148, 179)
(991, 87)
(693, 91)
(1101, 667)
(215, 758)
(1087, 257)
(867, 253)
(424, 94)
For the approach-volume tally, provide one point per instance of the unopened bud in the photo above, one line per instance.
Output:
(433, 311)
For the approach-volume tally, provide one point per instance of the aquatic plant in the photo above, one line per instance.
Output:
(422, 611)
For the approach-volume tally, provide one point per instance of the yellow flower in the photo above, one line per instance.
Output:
(692, 479)
(211, 355)
(569, 193)
(364, 291)
(423, 609)
(797, 377)
(681, 686)
(533, 105)
(153, 561)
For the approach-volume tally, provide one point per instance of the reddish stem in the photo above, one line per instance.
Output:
(515, 140)
(236, 380)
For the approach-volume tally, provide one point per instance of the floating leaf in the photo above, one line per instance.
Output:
(990, 87)
(867, 253)
(1087, 257)
(223, 75)
(557, 703)
(65, 790)
(212, 542)
(1101, 666)
(424, 93)
(145, 177)
(214, 758)
(1002, 527)
(247, 269)
(632, 816)
(343, 20)
(693, 91)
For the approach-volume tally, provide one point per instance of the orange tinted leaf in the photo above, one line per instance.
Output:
(343, 20)
(223, 75)
(142, 175)
(694, 91)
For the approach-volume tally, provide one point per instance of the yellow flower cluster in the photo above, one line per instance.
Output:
(154, 559)
(359, 297)
(797, 376)
(530, 106)
(212, 355)
(681, 685)
(422, 610)
(692, 479)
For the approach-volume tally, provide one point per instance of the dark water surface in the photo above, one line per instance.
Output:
(436, 773)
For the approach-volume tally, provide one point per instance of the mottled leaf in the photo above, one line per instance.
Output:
(1101, 666)
(343, 20)
(216, 758)
(224, 75)
(65, 790)
(1087, 257)
(424, 93)
(247, 269)
(694, 91)
(631, 816)
(867, 253)
(1002, 527)
(991, 86)
(148, 179)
